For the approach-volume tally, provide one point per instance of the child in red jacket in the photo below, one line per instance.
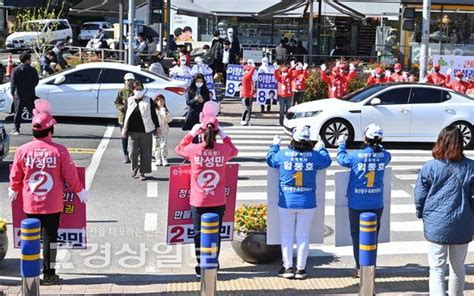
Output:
(285, 92)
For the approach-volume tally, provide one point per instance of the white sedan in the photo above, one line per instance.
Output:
(89, 90)
(406, 112)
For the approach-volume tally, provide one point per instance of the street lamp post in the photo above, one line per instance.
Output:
(425, 38)
(310, 32)
(131, 27)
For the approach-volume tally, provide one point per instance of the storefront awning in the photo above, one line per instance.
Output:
(101, 8)
(282, 7)
(445, 2)
(188, 7)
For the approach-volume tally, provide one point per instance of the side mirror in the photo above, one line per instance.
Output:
(60, 79)
(375, 102)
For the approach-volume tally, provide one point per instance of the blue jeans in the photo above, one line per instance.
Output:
(285, 104)
(437, 259)
(354, 221)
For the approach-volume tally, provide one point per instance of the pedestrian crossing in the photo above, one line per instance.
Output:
(406, 229)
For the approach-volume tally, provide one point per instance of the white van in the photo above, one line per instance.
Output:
(90, 29)
(48, 30)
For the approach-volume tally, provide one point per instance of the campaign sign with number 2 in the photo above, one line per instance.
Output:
(180, 222)
(72, 227)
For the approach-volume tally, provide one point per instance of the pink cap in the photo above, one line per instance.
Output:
(42, 121)
(210, 120)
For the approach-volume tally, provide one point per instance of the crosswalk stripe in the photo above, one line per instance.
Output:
(330, 171)
(330, 195)
(392, 248)
(257, 183)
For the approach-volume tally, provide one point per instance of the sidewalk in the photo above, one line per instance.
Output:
(328, 274)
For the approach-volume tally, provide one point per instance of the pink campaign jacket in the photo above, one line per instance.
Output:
(207, 170)
(39, 171)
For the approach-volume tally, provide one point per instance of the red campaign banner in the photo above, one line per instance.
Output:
(72, 227)
(180, 223)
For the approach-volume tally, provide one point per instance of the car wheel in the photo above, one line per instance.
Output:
(467, 132)
(332, 129)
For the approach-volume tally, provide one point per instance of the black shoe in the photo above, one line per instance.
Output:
(50, 280)
(126, 159)
(198, 272)
(135, 173)
(15, 132)
(286, 273)
(300, 274)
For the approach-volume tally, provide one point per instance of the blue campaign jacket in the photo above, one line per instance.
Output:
(365, 189)
(444, 199)
(297, 175)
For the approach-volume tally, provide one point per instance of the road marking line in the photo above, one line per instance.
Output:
(151, 222)
(330, 195)
(71, 150)
(152, 189)
(392, 248)
(96, 158)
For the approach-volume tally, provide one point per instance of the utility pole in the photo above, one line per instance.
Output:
(310, 32)
(425, 38)
(131, 27)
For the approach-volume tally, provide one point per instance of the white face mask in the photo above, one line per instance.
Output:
(138, 93)
(398, 70)
(284, 74)
(205, 51)
(199, 84)
(182, 62)
(458, 79)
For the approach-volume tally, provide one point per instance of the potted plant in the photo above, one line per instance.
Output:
(3, 239)
(250, 237)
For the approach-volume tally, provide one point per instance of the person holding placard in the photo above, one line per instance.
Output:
(444, 199)
(208, 159)
(365, 189)
(298, 165)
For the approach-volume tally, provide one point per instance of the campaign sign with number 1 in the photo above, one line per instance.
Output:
(234, 80)
(180, 222)
(72, 227)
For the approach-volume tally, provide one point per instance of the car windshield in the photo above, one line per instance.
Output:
(90, 27)
(34, 26)
(362, 94)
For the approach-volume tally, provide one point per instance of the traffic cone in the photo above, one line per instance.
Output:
(9, 66)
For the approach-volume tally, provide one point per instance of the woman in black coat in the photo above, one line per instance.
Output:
(198, 94)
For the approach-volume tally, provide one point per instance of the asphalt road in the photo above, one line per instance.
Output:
(127, 218)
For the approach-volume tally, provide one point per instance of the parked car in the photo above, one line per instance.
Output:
(89, 90)
(406, 112)
(90, 29)
(4, 142)
(48, 30)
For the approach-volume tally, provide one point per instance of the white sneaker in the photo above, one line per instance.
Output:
(249, 124)
(165, 161)
(243, 122)
(158, 161)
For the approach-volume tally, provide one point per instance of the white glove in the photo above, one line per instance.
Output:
(448, 73)
(320, 145)
(275, 65)
(292, 64)
(305, 66)
(195, 130)
(352, 67)
(323, 67)
(388, 73)
(276, 140)
(341, 140)
(83, 195)
(12, 194)
(222, 134)
(250, 62)
(405, 75)
(372, 72)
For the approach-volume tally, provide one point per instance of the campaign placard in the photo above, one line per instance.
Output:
(234, 80)
(72, 232)
(180, 223)
(267, 87)
(186, 78)
(343, 233)
(210, 85)
(273, 219)
(456, 63)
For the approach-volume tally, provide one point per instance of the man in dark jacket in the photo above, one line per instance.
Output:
(58, 50)
(234, 43)
(216, 53)
(45, 63)
(23, 82)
